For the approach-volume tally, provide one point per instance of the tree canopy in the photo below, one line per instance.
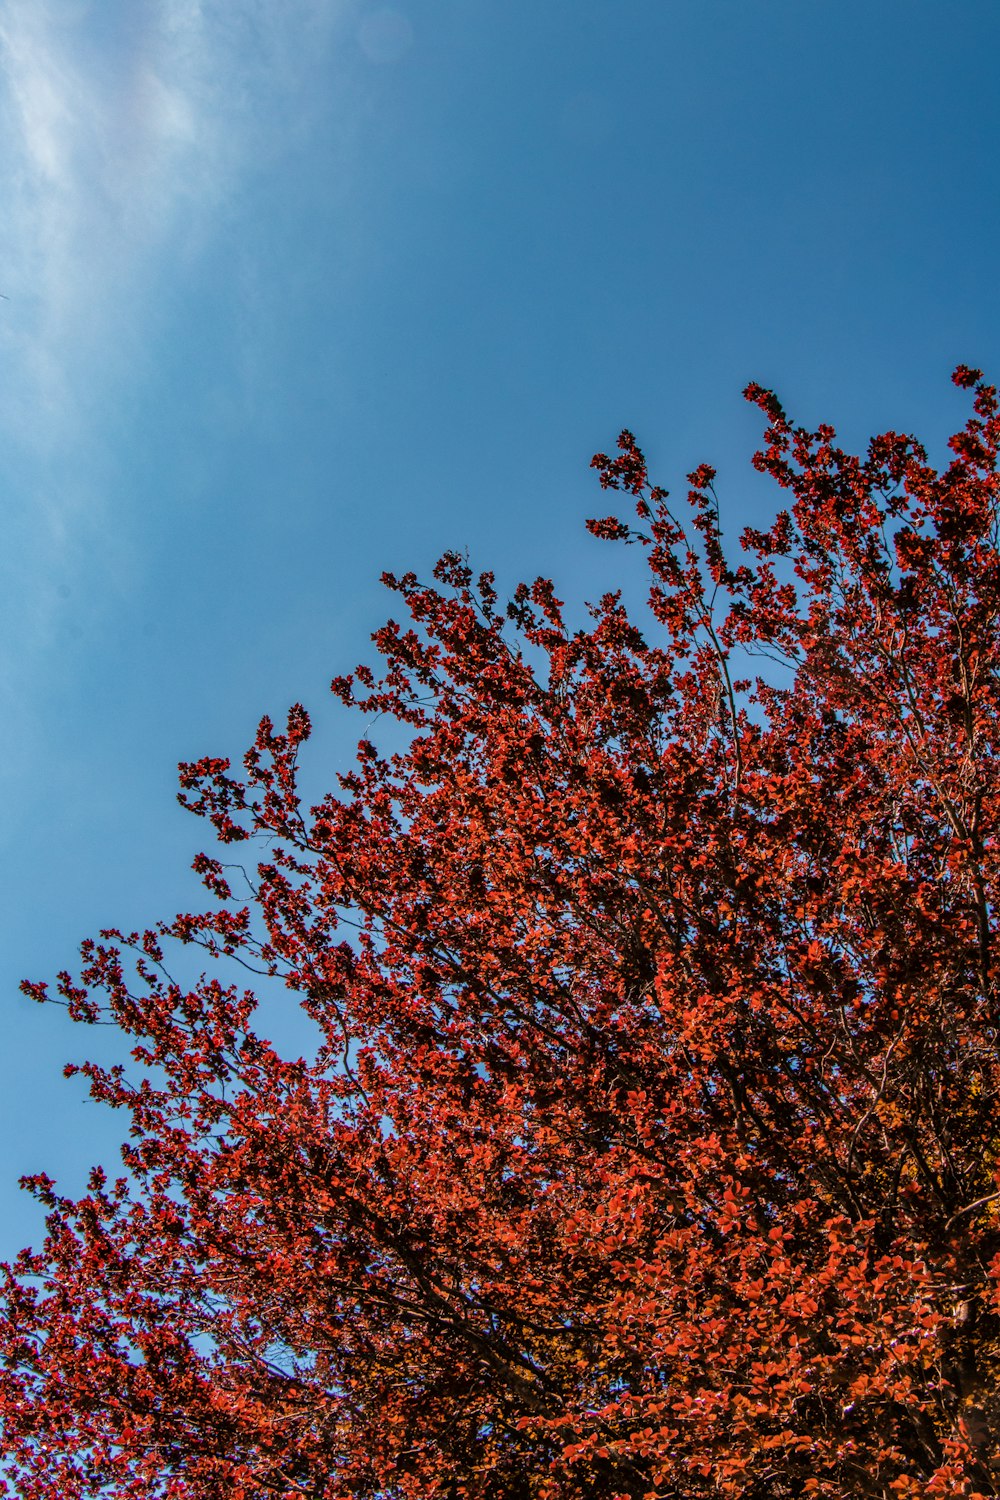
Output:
(650, 1149)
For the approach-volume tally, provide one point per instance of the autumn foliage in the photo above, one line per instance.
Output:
(651, 1147)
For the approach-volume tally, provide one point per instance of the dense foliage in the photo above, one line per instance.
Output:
(652, 1146)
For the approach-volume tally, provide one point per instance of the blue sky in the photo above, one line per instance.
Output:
(302, 291)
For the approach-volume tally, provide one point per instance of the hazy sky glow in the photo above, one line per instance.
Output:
(132, 133)
(299, 291)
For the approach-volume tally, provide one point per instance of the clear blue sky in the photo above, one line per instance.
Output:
(304, 289)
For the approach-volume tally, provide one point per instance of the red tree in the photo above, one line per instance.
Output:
(651, 1146)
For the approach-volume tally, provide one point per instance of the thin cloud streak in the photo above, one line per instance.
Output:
(125, 144)
(130, 132)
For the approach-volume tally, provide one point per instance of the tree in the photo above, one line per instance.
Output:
(650, 1148)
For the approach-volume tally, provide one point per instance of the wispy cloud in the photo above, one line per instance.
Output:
(126, 129)
(133, 132)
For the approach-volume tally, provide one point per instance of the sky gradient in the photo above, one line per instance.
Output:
(302, 291)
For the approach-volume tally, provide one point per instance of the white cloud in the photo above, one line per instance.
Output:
(130, 129)
(127, 127)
